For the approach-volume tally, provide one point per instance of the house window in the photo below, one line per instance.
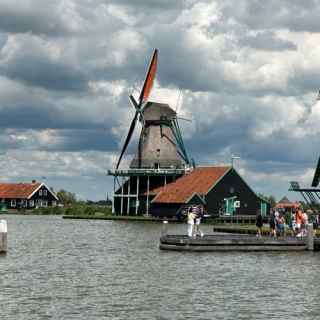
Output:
(40, 192)
(13, 203)
(44, 203)
(54, 203)
(45, 192)
(31, 203)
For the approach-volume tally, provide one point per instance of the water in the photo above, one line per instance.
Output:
(76, 269)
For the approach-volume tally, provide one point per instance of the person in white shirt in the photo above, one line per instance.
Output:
(191, 217)
(199, 215)
(304, 223)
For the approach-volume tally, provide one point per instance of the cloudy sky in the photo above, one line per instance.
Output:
(248, 72)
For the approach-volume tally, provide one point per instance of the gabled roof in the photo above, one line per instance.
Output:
(21, 190)
(199, 181)
(286, 203)
(285, 200)
(17, 190)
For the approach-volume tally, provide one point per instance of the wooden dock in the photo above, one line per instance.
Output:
(232, 243)
(238, 242)
(3, 236)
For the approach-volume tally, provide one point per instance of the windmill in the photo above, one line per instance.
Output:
(160, 158)
(160, 143)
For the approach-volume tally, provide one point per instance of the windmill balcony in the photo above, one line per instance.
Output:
(149, 171)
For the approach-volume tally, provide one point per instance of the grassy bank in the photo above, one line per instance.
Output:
(100, 216)
(73, 210)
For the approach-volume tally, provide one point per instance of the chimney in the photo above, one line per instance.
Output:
(34, 181)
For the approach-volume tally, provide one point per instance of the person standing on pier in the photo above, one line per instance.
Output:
(272, 224)
(280, 225)
(191, 218)
(199, 215)
(259, 223)
(298, 218)
(304, 223)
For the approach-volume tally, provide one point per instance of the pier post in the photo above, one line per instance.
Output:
(310, 236)
(148, 189)
(137, 196)
(114, 192)
(3, 236)
(164, 230)
(122, 192)
(128, 203)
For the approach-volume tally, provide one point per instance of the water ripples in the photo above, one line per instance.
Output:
(69, 269)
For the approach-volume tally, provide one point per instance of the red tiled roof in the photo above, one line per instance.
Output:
(289, 205)
(199, 181)
(17, 190)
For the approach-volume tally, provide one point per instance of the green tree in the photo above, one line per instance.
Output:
(271, 199)
(66, 197)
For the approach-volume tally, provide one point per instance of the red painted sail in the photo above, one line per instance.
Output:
(148, 82)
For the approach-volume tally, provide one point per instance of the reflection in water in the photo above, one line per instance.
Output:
(75, 269)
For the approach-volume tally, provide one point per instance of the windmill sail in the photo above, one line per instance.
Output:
(316, 177)
(148, 82)
(128, 138)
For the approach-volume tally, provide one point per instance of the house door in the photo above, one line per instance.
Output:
(230, 208)
(263, 208)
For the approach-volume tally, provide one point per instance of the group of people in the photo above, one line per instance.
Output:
(277, 223)
(297, 221)
(195, 214)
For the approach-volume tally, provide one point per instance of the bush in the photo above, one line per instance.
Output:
(90, 210)
(49, 210)
(74, 210)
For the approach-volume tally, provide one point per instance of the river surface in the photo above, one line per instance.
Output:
(86, 269)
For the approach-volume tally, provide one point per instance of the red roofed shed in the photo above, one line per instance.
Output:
(210, 186)
(287, 205)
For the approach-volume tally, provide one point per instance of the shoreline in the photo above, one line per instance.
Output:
(119, 218)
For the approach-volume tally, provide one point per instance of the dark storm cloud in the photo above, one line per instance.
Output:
(305, 80)
(39, 117)
(267, 41)
(293, 15)
(34, 61)
(83, 140)
(148, 12)
(36, 17)
(64, 140)
(34, 23)
(152, 4)
(3, 39)
(41, 72)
